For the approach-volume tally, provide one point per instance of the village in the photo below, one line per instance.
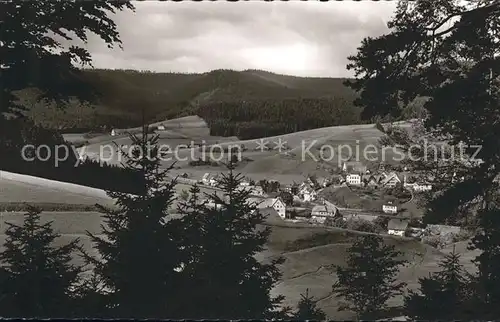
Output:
(305, 202)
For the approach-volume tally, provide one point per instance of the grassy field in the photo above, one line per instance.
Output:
(344, 141)
(12, 191)
(317, 249)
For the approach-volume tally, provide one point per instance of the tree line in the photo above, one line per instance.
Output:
(20, 133)
(248, 119)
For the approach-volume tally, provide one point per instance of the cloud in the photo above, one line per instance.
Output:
(298, 38)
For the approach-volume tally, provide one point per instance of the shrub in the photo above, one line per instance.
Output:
(197, 163)
(381, 223)
(434, 241)
(337, 222)
(361, 225)
(45, 206)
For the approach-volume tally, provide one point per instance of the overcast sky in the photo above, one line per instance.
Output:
(295, 38)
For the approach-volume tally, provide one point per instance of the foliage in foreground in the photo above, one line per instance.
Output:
(307, 309)
(225, 275)
(140, 249)
(38, 279)
(443, 295)
(369, 279)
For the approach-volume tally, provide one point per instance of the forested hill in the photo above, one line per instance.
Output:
(217, 96)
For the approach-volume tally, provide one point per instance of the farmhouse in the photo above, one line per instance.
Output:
(160, 127)
(391, 180)
(389, 208)
(397, 226)
(276, 203)
(327, 209)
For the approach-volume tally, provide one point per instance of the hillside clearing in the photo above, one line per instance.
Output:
(309, 151)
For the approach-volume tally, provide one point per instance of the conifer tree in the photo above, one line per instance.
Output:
(443, 295)
(139, 252)
(487, 280)
(369, 279)
(38, 279)
(33, 56)
(230, 282)
(307, 309)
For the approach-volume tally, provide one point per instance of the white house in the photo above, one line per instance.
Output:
(161, 127)
(389, 208)
(213, 181)
(276, 203)
(397, 226)
(303, 186)
(422, 187)
(113, 132)
(308, 194)
(206, 179)
(353, 179)
(280, 207)
(417, 186)
(245, 183)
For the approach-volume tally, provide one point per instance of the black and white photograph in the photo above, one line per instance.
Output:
(255, 160)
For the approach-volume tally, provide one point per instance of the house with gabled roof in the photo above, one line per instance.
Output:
(275, 203)
(308, 194)
(391, 180)
(319, 213)
(372, 181)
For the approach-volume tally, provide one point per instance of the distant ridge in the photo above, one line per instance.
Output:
(125, 94)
